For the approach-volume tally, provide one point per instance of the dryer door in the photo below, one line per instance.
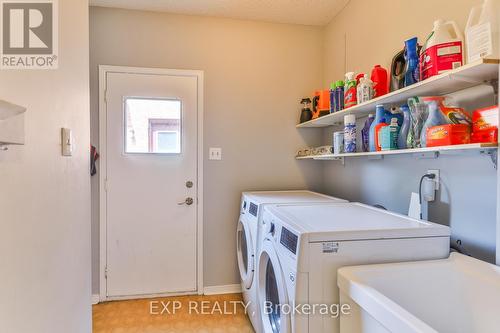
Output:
(272, 291)
(245, 253)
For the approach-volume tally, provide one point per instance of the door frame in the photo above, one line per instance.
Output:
(103, 71)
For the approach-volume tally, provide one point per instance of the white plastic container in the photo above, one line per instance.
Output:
(365, 89)
(443, 49)
(481, 32)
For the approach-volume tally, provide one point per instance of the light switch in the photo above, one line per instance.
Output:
(215, 154)
(67, 141)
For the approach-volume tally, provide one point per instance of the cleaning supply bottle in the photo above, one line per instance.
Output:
(365, 133)
(380, 114)
(378, 137)
(412, 68)
(482, 31)
(443, 50)
(350, 90)
(380, 80)
(435, 118)
(405, 127)
(364, 89)
(389, 136)
(339, 95)
(350, 133)
(332, 97)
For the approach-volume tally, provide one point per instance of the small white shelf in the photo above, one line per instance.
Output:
(9, 110)
(455, 148)
(467, 76)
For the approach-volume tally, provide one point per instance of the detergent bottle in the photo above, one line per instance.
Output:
(364, 89)
(405, 127)
(435, 118)
(339, 95)
(412, 68)
(350, 90)
(380, 114)
(443, 50)
(332, 97)
(365, 133)
(481, 32)
(380, 80)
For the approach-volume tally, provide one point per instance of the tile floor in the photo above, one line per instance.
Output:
(197, 314)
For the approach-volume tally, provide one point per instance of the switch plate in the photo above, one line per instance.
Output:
(215, 154)
(66, 142)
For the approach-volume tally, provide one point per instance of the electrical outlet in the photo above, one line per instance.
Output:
(215, 154)
(436, 179)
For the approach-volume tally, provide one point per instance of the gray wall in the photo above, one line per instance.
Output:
(255, 75)
(467, 199)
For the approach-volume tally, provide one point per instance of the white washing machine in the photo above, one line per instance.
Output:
(304, 246)
(252, 204)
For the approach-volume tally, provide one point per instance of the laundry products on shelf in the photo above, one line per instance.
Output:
(482, 31)
(365, 132)
(350, 92)
(485, 125)
(364, 89)
(380, 81)
(443, 50)
(412, 67)
(350, 133)
(445, 135)
(388, 136)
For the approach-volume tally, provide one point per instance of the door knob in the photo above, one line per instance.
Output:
(189, 201)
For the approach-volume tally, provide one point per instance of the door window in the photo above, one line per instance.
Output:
(272, 297)
(152, 125)
(243, 248)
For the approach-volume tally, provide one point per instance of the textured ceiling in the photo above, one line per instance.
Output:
(310, 12)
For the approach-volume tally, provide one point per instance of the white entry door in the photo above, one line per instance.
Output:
(151, 185)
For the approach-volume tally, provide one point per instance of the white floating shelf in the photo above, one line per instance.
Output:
(455, 148)
(9, 110)
(467, 76)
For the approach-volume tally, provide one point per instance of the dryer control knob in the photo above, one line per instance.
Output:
(272, 228)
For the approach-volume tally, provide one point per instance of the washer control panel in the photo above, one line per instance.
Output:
(289, 240)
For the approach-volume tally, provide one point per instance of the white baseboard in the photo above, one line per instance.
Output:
(95, 299)
(219, 290)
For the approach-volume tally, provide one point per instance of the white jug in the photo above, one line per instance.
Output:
(481, 32)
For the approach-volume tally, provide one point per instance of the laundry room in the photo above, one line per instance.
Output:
(208, 166)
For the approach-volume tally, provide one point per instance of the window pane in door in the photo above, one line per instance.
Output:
(152, 125)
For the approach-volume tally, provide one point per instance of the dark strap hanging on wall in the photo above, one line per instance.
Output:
(94, 156)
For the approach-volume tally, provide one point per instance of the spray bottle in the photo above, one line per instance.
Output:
(350, 90)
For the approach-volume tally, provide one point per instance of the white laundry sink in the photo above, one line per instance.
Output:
(455, 295)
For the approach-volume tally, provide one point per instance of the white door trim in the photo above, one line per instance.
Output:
(103, 71)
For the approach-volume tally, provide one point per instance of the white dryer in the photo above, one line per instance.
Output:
(252, 204)
(305, 245)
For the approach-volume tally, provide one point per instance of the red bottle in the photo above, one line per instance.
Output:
(380, 81)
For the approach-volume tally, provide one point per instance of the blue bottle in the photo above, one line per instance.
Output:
(435, 118)
(405, 127)
(365, 132)
(412, 66)
(380, 114)
(332, 97)
(339, 95)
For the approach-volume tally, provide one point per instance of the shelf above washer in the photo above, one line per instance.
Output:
(467, 76)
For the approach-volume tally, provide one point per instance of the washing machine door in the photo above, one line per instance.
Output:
(245, 253)
(272, 291)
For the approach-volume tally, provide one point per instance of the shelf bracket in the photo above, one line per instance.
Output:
(426, 155)
(493, 154)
